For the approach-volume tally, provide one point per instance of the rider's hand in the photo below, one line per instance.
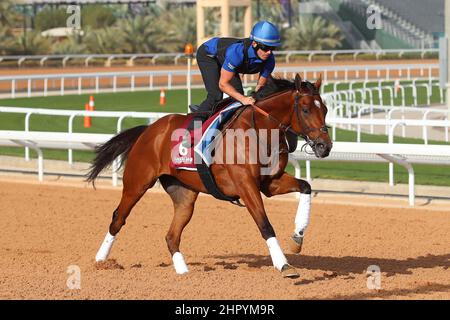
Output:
(248, 101)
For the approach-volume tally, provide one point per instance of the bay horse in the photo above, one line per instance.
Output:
(288, 107)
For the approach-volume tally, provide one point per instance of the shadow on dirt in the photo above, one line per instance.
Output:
(343, 266)
(387, 294)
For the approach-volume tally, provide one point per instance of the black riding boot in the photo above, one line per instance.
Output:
(194, 108)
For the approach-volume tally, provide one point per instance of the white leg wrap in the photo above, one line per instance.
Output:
(303, 211)
(179, 264)
(278, 258)
(105, 248)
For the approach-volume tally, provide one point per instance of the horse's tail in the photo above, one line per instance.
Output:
(106, 153)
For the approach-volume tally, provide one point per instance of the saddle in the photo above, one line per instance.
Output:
(204, 115)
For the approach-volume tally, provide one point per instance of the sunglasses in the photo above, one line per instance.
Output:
(265, 48)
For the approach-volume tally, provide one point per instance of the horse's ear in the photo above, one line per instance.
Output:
(318, 82)
(298, 81)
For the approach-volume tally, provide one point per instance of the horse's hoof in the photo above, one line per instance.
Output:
(296, 244)
(288, 271)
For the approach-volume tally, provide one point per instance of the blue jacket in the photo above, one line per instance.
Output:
(230, 53)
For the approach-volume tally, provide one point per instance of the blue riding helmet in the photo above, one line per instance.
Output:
(266, 33)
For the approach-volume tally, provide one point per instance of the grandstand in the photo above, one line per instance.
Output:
(416, 25)
(428, 16)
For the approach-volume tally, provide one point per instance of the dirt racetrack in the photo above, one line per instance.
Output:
(46, 228)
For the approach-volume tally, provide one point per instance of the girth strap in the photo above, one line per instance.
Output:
(211, 186)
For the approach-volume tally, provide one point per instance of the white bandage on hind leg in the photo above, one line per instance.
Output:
(105, 248)
(303, 211)
(278, 258)
(179, 264)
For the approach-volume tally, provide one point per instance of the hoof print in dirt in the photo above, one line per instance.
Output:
(110, 264)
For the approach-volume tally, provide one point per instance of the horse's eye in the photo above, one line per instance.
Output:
(305, 110)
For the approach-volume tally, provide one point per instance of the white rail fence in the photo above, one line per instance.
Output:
(401, 154)
(390, 121)
(335, 121)
(350, 103)
(82, 141)
(391, 126)
(353, 98)
(120, 116)
(400, 53)
(79, 83)
(54, 140)
(175, 56)
(89, 58)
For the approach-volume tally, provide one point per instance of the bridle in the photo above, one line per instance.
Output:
(288, 128)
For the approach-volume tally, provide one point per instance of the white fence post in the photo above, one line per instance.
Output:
(13, 88)
(79, 85)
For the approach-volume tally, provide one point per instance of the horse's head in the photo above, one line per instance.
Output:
(297, 108)
(308, 116)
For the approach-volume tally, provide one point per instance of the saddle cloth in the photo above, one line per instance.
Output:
(190, 148)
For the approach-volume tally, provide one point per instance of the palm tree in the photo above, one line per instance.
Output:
(270, 10)
(178, 27)
(106, 40)
(50, 18)
(7, 41)
(8, 19)
(7, 15)
(31, 42)
(72, 45)
(312, 34)
(142, 34)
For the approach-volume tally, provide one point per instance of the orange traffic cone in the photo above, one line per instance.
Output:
(91, 103)
(162, 97)
(87, 119)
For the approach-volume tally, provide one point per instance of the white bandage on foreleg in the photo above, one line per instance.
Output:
(105, 248)
(179, 264)
(303, 211)
(278, 258)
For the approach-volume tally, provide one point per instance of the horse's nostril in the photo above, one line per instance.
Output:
(320, 146)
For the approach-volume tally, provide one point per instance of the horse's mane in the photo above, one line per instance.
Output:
(274, 85)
